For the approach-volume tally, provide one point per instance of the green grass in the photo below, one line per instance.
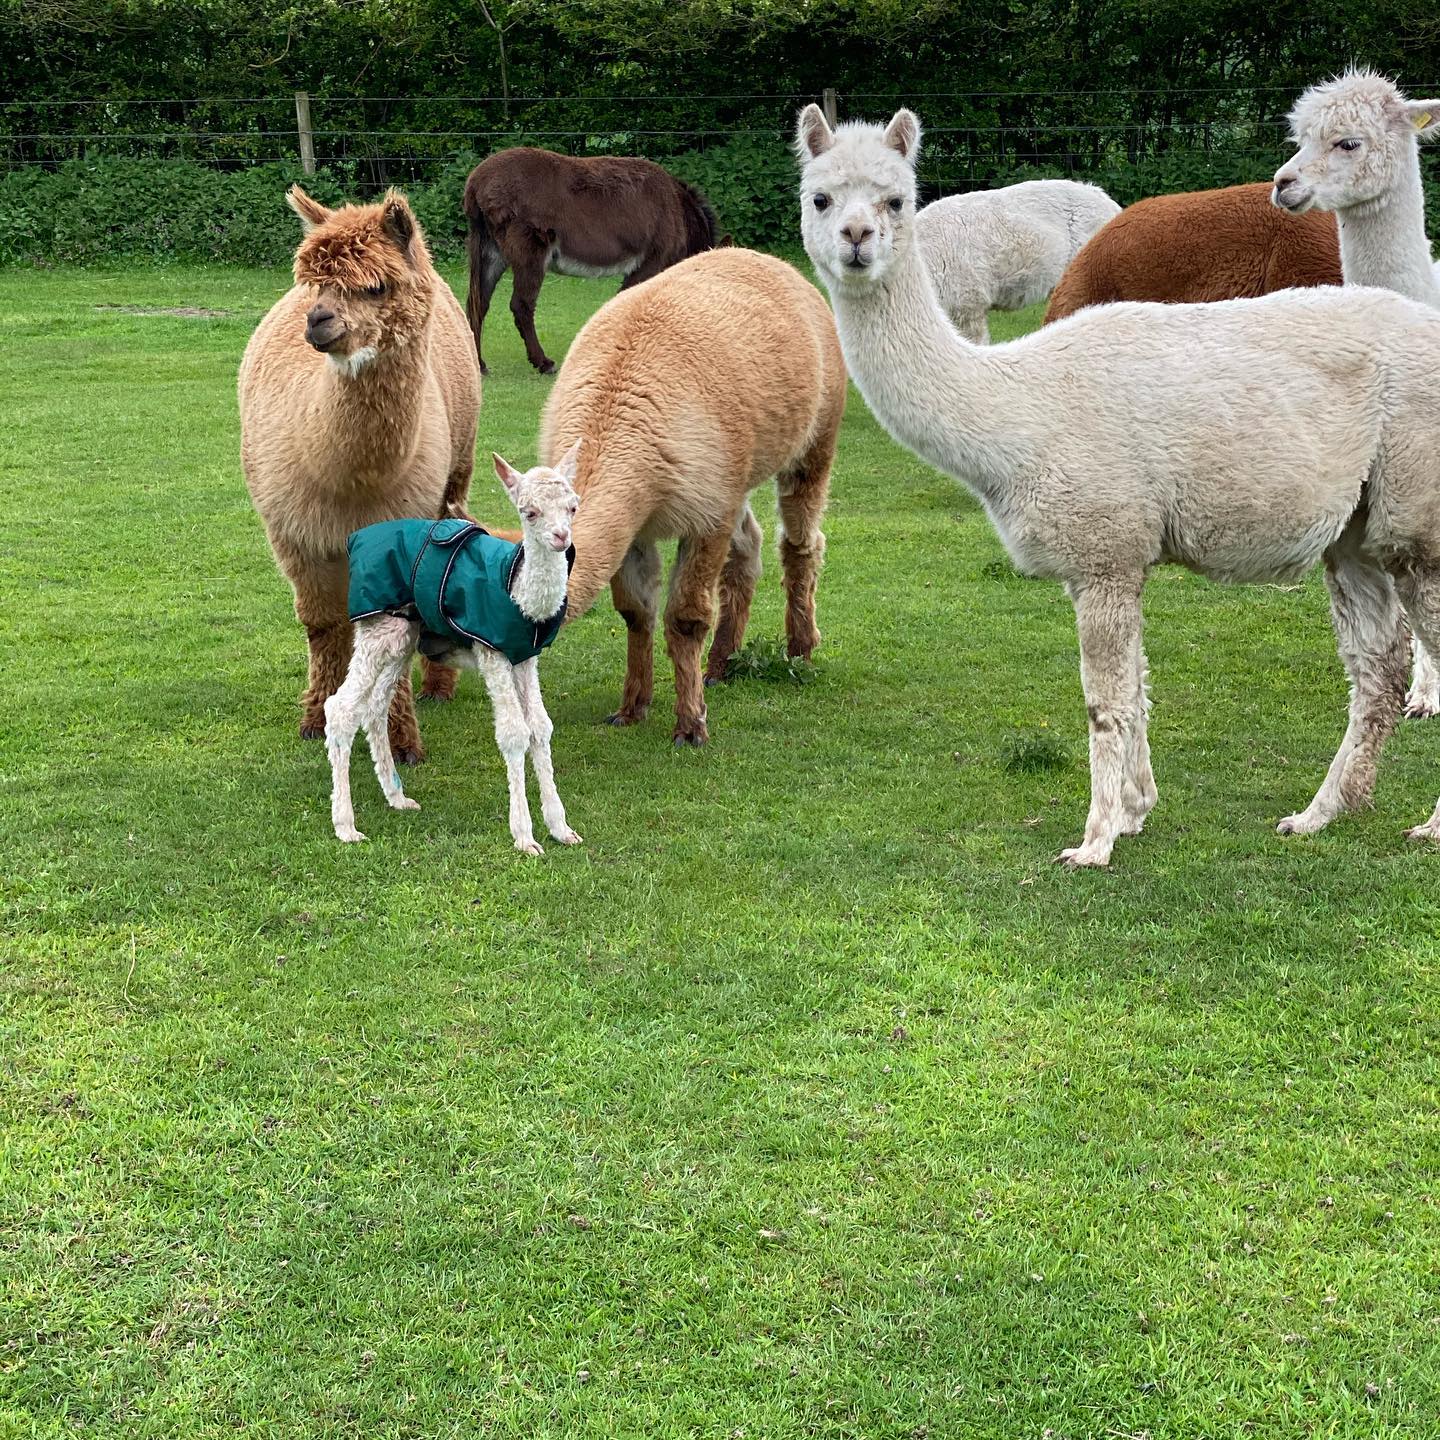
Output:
(806, 1099)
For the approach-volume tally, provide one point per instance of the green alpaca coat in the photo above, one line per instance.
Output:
(452, 576)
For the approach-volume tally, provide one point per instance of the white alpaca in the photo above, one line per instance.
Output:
(1006, 249)
(1245, 439)
(385, 645)
(1359, 156)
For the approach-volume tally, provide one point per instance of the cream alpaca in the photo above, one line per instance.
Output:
(689, 391)
(1359, 156)
(358, 400)
(1005, 249)
(1245, 439)
(385, 646)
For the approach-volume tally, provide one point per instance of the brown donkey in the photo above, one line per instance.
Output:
(533, 210)
(358, 401)
(688, 393)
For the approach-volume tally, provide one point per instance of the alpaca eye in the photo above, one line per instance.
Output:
(1347, 144)
(574, 506)
(530, 514)
(375, 291)
(896, 204)
(822, 202)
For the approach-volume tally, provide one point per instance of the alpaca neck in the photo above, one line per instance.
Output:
(932, 390)
(372, 412)
(540, 586)
(1383, 241)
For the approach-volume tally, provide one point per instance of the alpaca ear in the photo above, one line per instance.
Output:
(569, 462)
(311, 212)
(813, 135)
(510, 477)
(1424, 117)
(902, 134)
(398, 220)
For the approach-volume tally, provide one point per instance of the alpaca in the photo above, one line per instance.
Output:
(1005, 249)
(483, 604)
(1358, 155)
(1245, 439)
(358, 400)
(689, 391)
(1205, 245)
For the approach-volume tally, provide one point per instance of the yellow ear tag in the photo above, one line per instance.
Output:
(1421, 120)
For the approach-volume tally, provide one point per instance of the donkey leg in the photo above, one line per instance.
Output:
(529, 273)
(688, 614)
(322, 605)
(737, 592)
(803, 492)
(635, 588)
(527, 684)
(1370, 634)
(512, 736)
(487, 265)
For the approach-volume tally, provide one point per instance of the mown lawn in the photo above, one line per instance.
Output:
(806, 1099)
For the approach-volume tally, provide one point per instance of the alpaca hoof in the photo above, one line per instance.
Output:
(1301, 824)
(696, 737)
(529, 847)
(622, 718)
(312, 730)
(439, 697)
(408, 754)
(404, 802)
(568, 837)
(1091, 855)
(348, 833)
(1421, 707)
(1427, 831)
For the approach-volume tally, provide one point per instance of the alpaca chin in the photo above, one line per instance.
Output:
(352, 364)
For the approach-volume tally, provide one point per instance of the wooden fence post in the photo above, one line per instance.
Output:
(307, 135)
(830, 104)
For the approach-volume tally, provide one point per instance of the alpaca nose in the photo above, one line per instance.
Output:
(560, 539)
(322, 326)
(857, 232)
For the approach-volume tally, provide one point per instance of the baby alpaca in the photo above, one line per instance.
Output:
(476, 602)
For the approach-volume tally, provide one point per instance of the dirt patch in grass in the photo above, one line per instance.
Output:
(187, 312)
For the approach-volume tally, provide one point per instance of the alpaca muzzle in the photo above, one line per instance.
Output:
(323, 327)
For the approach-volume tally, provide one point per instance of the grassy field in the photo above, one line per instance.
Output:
(806, 1099)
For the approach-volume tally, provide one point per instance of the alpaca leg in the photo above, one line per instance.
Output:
(437, 682)
(404, 727)
(1139, 785)
(804, 491)
(1420, 594)
(322, 605)
(1423, 699)
(635, 588)
(687, 617)
(344, 712)
(512, 736)
(737, 593)
(529, 272)
(527, 683)
(1107, 616)
(1370, 634)
(395, 639)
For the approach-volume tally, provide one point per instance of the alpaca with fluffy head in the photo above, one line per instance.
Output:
(1246, 440)
(1359, 156)
(359, 393)
(484, 605)
(1005, 249)
(689, 391)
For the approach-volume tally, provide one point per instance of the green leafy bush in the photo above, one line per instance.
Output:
(752, 185)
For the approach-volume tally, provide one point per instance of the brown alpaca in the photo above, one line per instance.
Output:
(533, 210)
(1206, 245)
(688, 393)
(358, 399)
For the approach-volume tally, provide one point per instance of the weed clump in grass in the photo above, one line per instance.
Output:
(1001, 570)
(1032, 752)
(766, 660)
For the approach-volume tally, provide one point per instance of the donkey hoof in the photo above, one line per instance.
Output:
(548, 368)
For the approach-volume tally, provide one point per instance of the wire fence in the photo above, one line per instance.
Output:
(976, 138)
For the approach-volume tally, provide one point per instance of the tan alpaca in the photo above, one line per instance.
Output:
(689, 391)
(358, 399)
